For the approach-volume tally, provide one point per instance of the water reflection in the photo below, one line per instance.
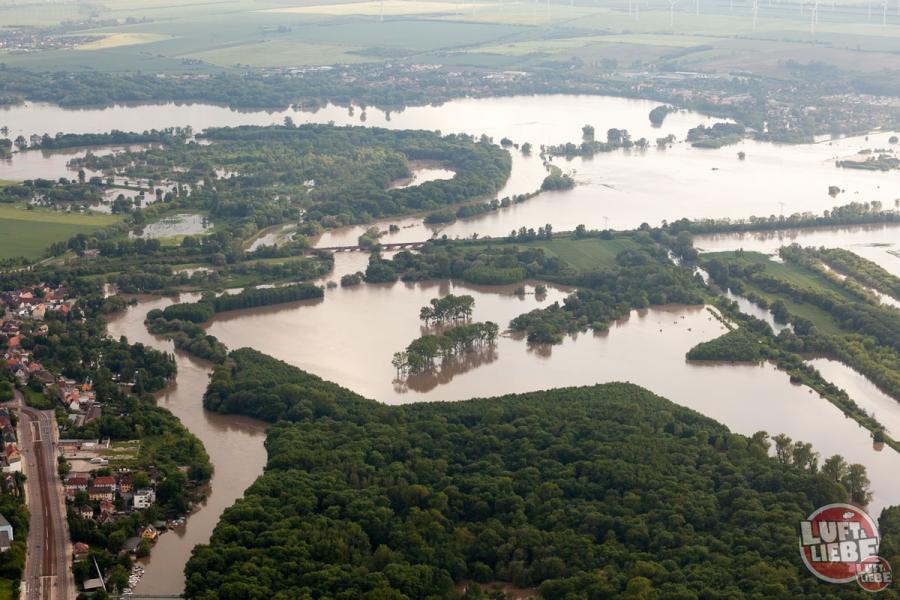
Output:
(445, 372)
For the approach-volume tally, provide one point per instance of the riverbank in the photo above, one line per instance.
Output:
(234, 446)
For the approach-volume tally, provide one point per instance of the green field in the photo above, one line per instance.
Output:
(6, 589)
(586, 254)
(28, 233)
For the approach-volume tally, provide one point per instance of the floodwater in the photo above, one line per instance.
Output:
(879, 243)
(343, 343)
(47, 164)
(275, 235)
(618, 189)
(422, 174)
(748, 307)
(865, 393)
(883, 298)
(339, 339)
(175, 225)
(234, 444)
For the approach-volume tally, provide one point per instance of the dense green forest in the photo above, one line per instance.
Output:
(605, 491)
(335, 175)
(497, 263)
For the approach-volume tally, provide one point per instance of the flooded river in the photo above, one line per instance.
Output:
(234, 444)
(339, 339)
(618, 189)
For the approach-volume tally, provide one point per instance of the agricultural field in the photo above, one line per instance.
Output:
(117, 40)
(203, 37)
(28, 233)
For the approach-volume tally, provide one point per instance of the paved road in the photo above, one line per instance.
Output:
(47, 574)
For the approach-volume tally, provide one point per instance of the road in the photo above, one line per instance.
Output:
(47, 574)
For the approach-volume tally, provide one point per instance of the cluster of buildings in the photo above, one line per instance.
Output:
(80, 401)
(31, 39)
(104, 497)
(25, 311)
(11, 461)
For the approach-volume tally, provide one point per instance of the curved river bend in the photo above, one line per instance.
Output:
(234, 444)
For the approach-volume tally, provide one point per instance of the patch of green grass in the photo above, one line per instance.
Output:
(820, 318)
(586, 254)
(28, 233)
(6, 589)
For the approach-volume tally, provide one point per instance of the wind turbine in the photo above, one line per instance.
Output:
(755, 12)
(672, 4)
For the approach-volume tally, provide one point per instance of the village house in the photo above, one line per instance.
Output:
(103, 488)
(144, 498)
(97, 494)
(149, 533)
(80, 551)
(125, 484)
(86, 512)
(75, 484)
(12, 459)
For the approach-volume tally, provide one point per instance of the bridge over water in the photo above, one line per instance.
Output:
(392, 246)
